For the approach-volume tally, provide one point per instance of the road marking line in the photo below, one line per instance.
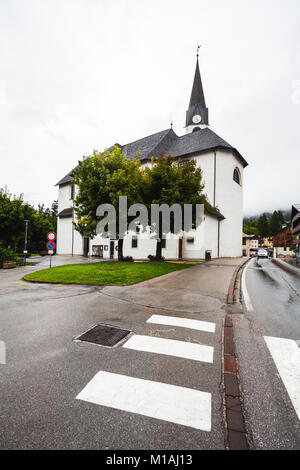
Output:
(171, 347)
(158, 400)
(246, 297)
(184, 322)
(286, 355)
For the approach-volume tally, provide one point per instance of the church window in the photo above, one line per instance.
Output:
(236, 176)
(134, 242)
(163, 243)
(72, 191)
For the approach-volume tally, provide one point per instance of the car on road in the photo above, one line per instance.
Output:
(262, 253)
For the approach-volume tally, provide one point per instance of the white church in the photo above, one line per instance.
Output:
(220, 233)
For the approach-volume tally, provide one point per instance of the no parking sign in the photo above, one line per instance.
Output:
(50, 246)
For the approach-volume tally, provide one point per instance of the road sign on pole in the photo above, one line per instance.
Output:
(50, 246)
(51, 236)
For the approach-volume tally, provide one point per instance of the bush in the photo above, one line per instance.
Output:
(7, 254)
(128, 259)
(155, 258)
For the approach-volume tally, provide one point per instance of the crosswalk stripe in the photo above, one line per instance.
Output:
(158, 400)
(171, 347)
(286, 355)
(183, 322)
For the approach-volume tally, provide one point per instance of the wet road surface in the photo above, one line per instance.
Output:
(267, 339)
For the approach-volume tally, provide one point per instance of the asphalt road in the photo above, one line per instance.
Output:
(272, 306)
(45, 369)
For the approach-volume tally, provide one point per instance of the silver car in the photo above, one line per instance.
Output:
(262, 253)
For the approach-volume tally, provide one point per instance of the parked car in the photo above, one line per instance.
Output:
(262, 253)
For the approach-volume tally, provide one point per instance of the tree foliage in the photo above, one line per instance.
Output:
(265, 225)
(101, 178)
(168, 182)
(104, 177)
(13, 212)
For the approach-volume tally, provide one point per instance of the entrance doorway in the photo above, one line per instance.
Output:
(180, 248)
(111, 249)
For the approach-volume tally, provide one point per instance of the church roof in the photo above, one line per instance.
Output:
(197, 95)
(152, 145)
(167, 141)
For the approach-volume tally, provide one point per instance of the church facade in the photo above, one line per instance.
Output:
(220, 233)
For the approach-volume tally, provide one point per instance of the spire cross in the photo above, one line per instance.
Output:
(198, 48)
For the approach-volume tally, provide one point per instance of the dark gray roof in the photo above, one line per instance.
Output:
(152, 145)
(201, 141)
(167, 141)
(66, 179)
(214, 212)
(66, 213)
(197, 95)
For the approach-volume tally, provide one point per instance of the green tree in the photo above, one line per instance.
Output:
(275, 222)
(168, 182)
(263, 226)
(101, 179)
(13, 212)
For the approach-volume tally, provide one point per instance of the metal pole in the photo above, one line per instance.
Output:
(50, 260)
(25, 245)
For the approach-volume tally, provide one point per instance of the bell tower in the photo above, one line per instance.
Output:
(197, 113)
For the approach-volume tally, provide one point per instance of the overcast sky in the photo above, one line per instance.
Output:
(78, 75)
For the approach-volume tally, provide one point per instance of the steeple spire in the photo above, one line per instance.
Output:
(197, 114)
(197, 95)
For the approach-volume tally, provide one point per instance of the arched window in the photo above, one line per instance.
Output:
(237, 176)
(196, 129)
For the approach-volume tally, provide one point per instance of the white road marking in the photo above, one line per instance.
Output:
(286, 355)
(184, 322)
(158, 400)
(246, 297)
(171, 347)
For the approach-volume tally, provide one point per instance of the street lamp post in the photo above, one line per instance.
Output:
(25, 244)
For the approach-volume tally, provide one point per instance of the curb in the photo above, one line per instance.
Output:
(236, 435)
(286, 267)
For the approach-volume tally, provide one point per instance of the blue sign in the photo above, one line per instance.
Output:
(50, 245)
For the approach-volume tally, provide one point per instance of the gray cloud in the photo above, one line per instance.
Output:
(82, 74)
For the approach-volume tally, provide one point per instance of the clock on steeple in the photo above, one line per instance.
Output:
(197, 113)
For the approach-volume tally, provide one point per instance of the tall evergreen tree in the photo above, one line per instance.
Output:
(263, 226)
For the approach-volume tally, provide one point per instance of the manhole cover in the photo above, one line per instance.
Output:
(104, 335)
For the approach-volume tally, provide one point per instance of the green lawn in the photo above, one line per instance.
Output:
(118, 273)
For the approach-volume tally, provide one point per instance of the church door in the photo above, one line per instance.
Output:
(180, 248)
(111, 249)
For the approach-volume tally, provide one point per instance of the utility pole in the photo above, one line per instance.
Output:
(25, 245)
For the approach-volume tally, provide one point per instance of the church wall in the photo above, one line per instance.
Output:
(64, 236)
(229, 199)
(205, 161)
(211, 235)
(64, 197)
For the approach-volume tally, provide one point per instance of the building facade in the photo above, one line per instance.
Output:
(223, 173)
(250, 244)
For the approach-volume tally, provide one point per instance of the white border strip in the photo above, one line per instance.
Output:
(286, 355)
(184, 322)
(171, 347)
(158, 400)
(246, 296)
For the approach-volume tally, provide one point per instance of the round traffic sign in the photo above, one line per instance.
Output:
(50, 245)
(51, 236)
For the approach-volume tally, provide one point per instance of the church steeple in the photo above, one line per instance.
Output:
(197, 114)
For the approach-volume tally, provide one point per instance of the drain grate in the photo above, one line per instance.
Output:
(104, 335)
